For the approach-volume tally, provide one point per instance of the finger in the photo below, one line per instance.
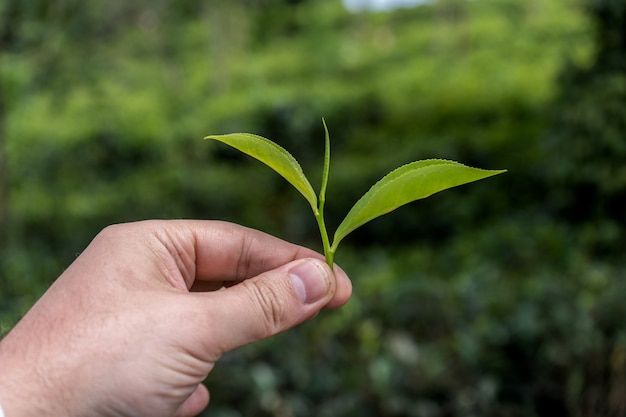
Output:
(209, 255)
(344, 288)
(230, 252)
(267, 304)
(195, 403)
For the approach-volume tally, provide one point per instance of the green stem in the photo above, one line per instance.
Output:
(319, 216)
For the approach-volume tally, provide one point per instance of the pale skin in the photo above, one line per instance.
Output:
(139, 319)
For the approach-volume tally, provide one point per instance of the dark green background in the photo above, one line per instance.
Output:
(500, 298)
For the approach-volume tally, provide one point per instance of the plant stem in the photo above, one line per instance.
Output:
(319, 216)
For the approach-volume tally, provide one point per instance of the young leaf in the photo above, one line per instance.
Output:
(319, 215)
(325, 166)
(273, 156)
(408, 183)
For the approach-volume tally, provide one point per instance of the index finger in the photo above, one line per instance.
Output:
(231, 252)
(211, 254)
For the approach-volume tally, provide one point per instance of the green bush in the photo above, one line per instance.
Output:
(500, 299)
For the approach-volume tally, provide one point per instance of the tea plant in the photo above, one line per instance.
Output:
(410, 182)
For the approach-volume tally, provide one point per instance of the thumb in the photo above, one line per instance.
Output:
(268, 304)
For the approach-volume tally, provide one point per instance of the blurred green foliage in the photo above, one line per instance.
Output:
(500, 299)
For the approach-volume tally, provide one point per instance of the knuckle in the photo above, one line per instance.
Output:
(272, 306)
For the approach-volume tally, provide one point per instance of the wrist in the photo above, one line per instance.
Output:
(22, 390)
(13, 398)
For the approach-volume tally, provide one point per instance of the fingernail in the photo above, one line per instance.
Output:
(310, 281)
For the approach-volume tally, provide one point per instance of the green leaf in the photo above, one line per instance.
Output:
(319, 216)
(408, 183)
(273, 156)
(326, 166)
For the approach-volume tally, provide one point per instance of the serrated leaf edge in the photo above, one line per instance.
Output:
(290, 159)
(371, 191)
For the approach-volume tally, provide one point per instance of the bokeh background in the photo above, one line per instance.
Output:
(505, 297)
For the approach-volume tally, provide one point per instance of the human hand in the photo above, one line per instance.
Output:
(136, 323)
